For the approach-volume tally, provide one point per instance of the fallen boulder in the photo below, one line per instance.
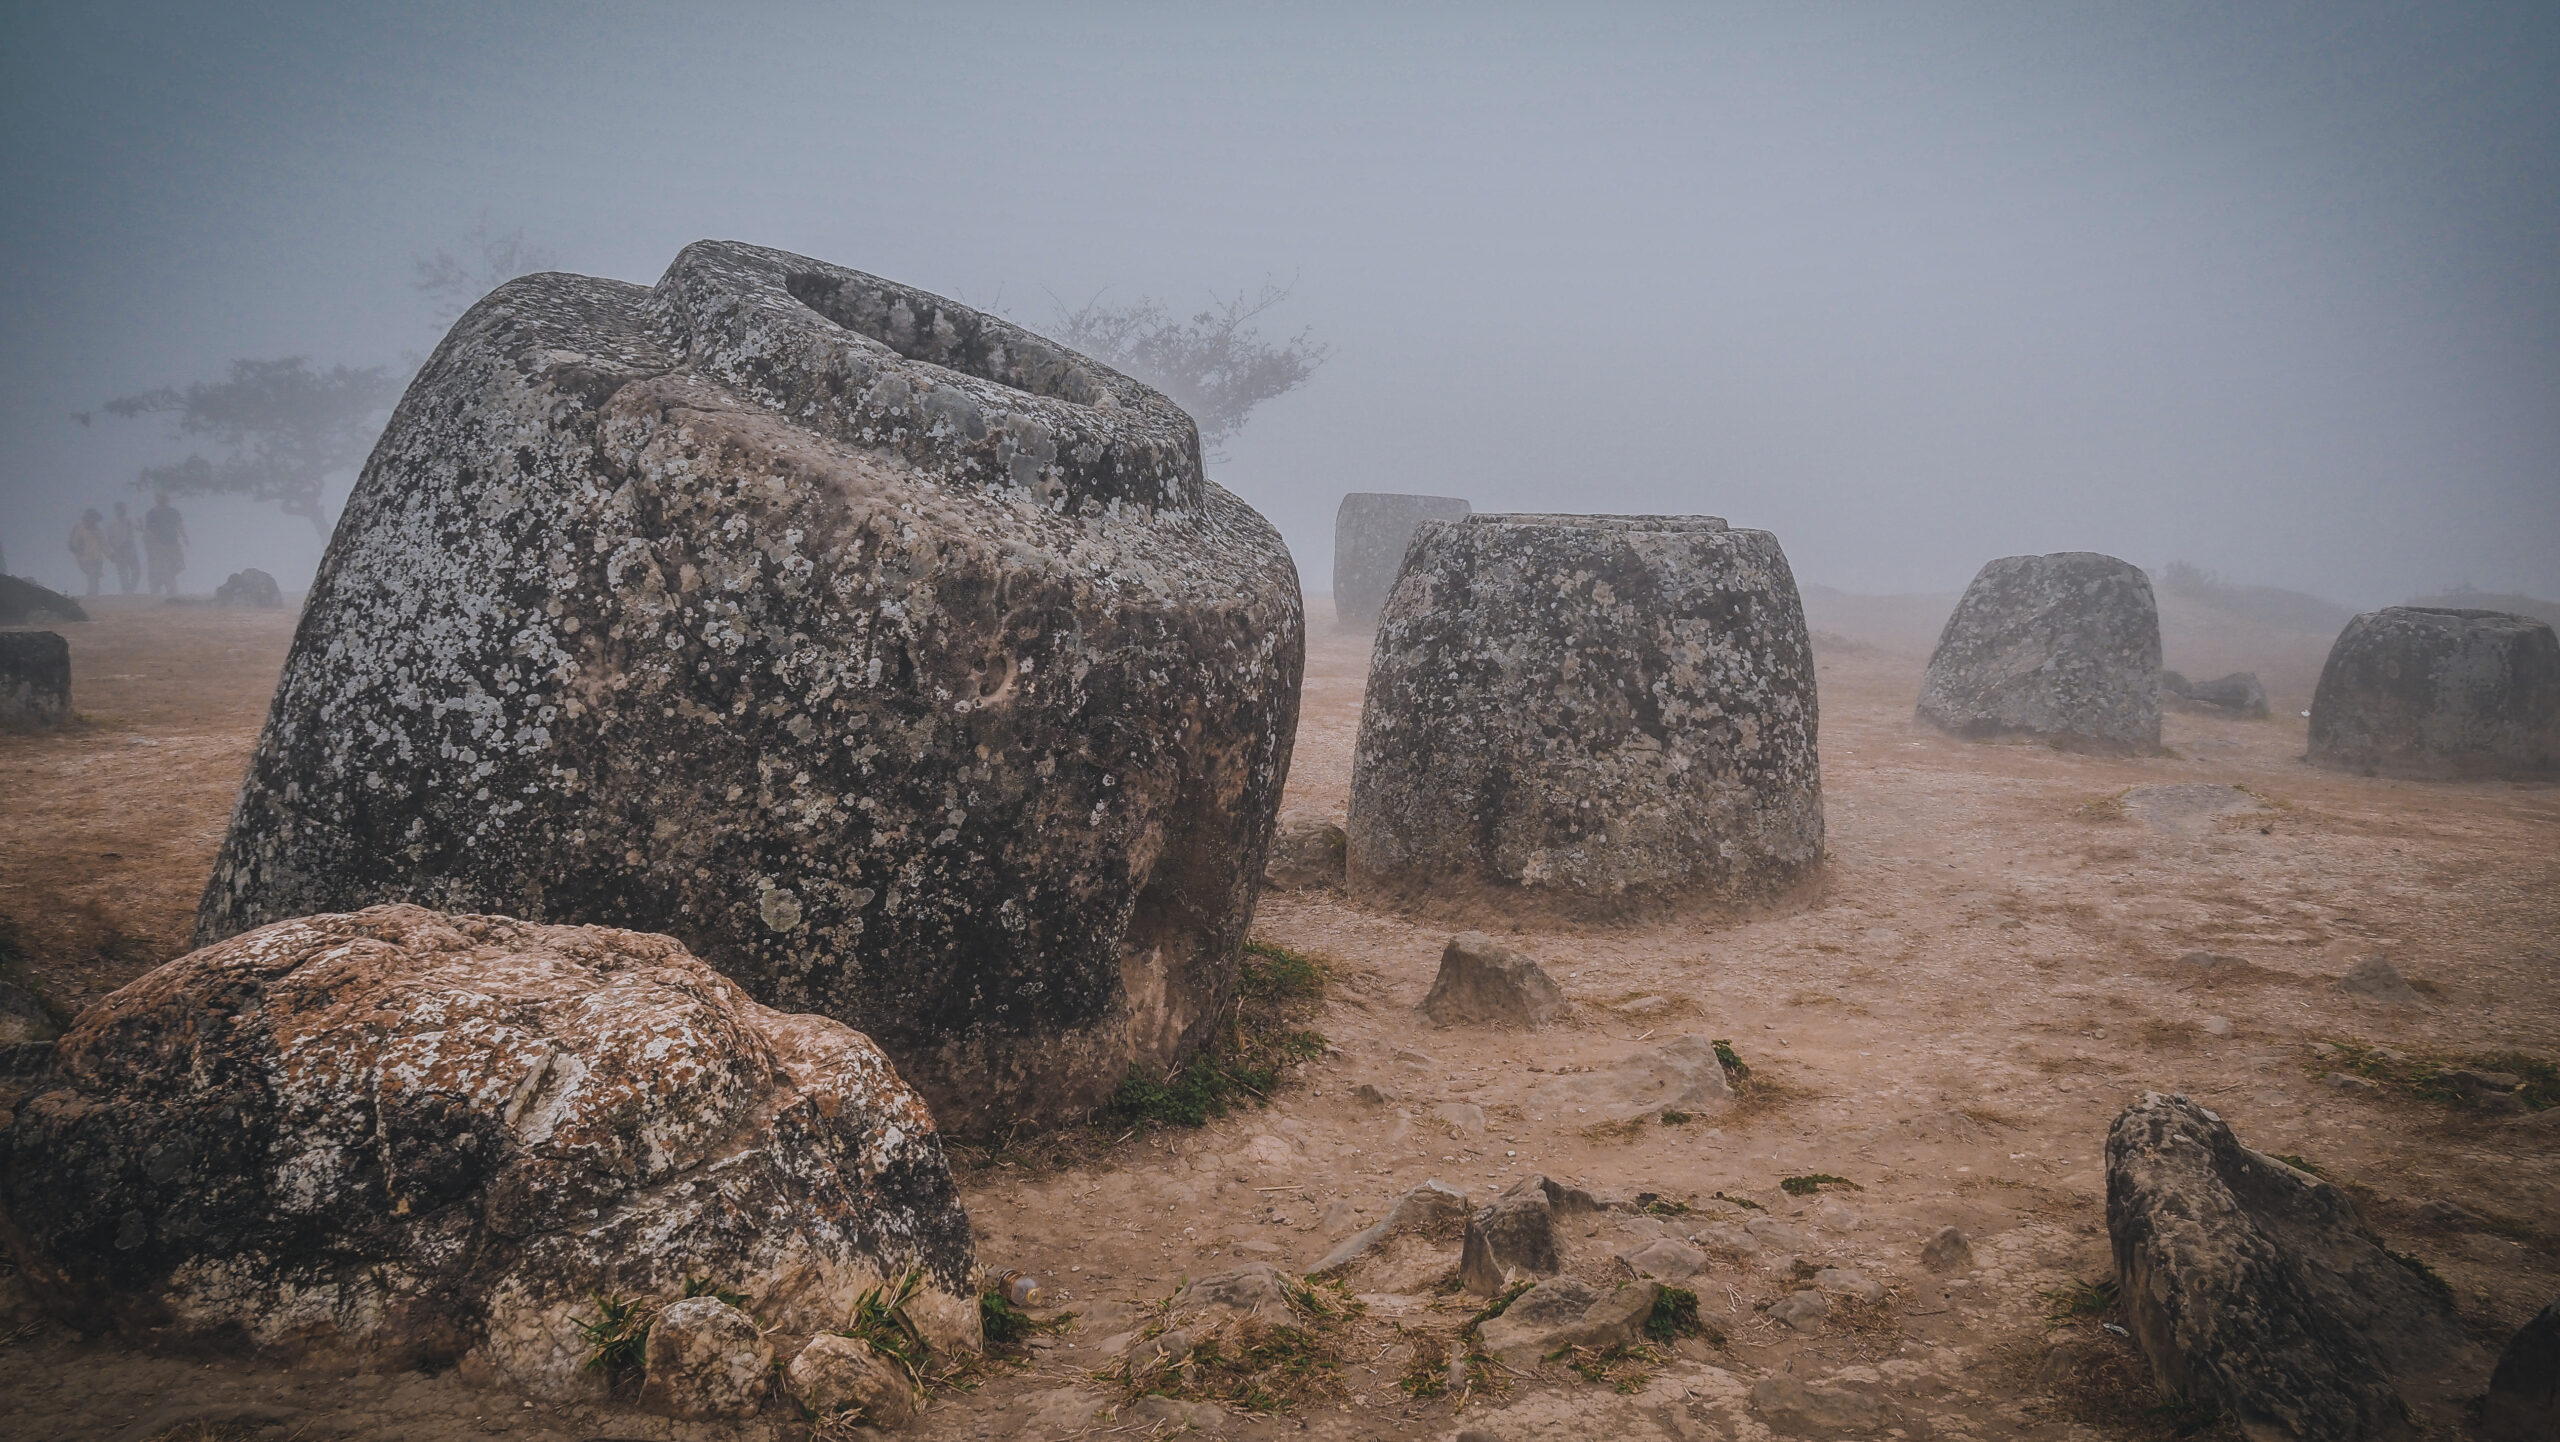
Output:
(833, 1374)
(1481, 982)
(1512, 1237)
(35, 681)
(2438, 694)
(902, 664)
(1593, 714)
(2062, 648)
(1371, 531)
(23, 602)
(2255, 1286)
(2524, 1391)
(1683, 1074)
(252, 590)
(2375, 978)
(1566, 1312)
(2238, 694)
(429, 1138)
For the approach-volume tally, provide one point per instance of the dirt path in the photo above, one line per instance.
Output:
(1992, 970)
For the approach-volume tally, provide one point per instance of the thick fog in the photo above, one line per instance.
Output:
(2272, 289)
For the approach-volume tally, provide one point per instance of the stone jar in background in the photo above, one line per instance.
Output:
(2440, 694)
(1593, 714)
(1371, 531)
(2062, 648)
(35, 681)
(903, 665)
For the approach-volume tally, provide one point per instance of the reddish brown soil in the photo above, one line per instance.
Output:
(1991, 969)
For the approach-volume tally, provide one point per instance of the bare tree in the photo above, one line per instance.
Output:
(283, 429)
(1215, 365)
(488, 261)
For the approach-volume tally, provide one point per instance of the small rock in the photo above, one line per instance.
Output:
(1949, 1251)
(1484, 983)
(2476, 1086)
(1515, 1236)
(2376, 978)
(2524, 1392)
(1849, 1282)
(1668, 1260)
(1643, 1006)
(833, 1374)
(1800, 1407)
(707, 1361)
(1803, 1311)
(1834, 1217)
(2210, 960)
(251, 589)
(1567, 1312)
(1433, 1207)
(1256, 1289)
(1174, 1414)
(2217, 1026)
(1373, 1094)
(1727, 1241)
(2444, 1214)
(1466, 1117)
(1682, 1074)
(2364, 1086)
(1306, 853)
(1775, 1233)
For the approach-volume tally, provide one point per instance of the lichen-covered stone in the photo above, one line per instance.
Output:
(834, 1374)
(431, 1137)
(706, 1361)
(1371, 530)
(901, 664)
(2063, 648)
(1594, 713)
(2256, 1287)
(35, 681)
(2439, 694)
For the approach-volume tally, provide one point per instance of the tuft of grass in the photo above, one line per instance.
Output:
(2300, 1163)
(1652, 1206)
(1426, 1370)
(1622, 1368)
(1734, 1066)
(1254, 1365)
(618, 1338)
(1274, 973)
(2429, 1076)
(1740, 1202)
(1006, 1324)
(2095, 1297)
(1674, 1117)
(705, 1287)
(1497, 1306)
(2425, 1274)
(1807, 1185)
(880, 1321)
(1258, 1043)
(1675, 1315)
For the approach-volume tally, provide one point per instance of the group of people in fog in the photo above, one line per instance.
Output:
(98, 542)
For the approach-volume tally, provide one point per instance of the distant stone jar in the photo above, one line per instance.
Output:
(1371, 531)
(2440, 694)
(2062, 648)
(902, 664)
(1592, 714)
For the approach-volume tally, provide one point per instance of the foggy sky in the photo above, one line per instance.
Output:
(2275, 289)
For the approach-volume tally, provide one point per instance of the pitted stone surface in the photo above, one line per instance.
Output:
(900, 663)
(1589, 712)
(2256, 1286)
(427, 1137)
(2439, 694)
(1371, 530)
(2065, 648)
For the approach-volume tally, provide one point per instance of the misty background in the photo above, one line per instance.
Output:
(2273, 289)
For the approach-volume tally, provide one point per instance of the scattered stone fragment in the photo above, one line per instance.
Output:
(2524, 1390)
(2217, 1026)
(1666, 1260)
(35, 681)
(904, 665)
(1374, 1094)
(436, 1138)
(1682, 1074)
(1643, 1006)
(1464, 1117)
(1803, 1311)
(2362, 1086)
(1434, 1208)
(23, 602)
(1566, 1312)
(1834, 1217)
(2444, 1214)
(1256, 1289)
(1511, 1238)
(251, 589)
(706, 1362)
(1949, 1251)
(2064, 648)
(833, 1374)
(2255, 1286)
(1775, 1233)
(1589, 713)
(1727, 1241)
(1484, 983)
(2376, 978)
(1371, 532)
(1306, 854)
(1849, 1282)
(2438, 694)
(1803, 1407)
(2489, 1089)
(2238, 694)
(1162, 1414)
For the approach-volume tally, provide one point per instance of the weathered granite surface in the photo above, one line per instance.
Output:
(2440, 694)
(900, 663)
(430, 1137)
(35, 681)
(1371, 530)
(1591, 713)
(2257, 1287)
(2065, 648)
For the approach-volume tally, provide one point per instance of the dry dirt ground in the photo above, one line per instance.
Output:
(1991, 970)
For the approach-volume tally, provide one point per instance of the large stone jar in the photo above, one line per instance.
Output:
(1371, 532)
(2434, 693)
(1591, 714)
(902, 664)
(2063, 649)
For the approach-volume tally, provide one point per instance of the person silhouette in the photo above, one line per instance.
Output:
(89, 546)
(121, 551)
(164, 542)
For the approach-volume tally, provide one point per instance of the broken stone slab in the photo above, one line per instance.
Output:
(1511, 1238)
(1949, 1251)
(2256, 1286)
(2376, 979)
(1256, 1289)
(434, 1139)
(1665, 1260)
(1803, 1407)
(1803, 1311)
(1306, 854)
(2238, 694)
(2524, 1390)
(707, 1361)
(1593, 714)
(252, 590)
(2432, 693)
(833, 1374)
(1683, 1074)
(35, 681)
(1371, 532)
(903, 664)
(1481, 982)
(2062, 648)
(1433, 1209)
(1564, 1312)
